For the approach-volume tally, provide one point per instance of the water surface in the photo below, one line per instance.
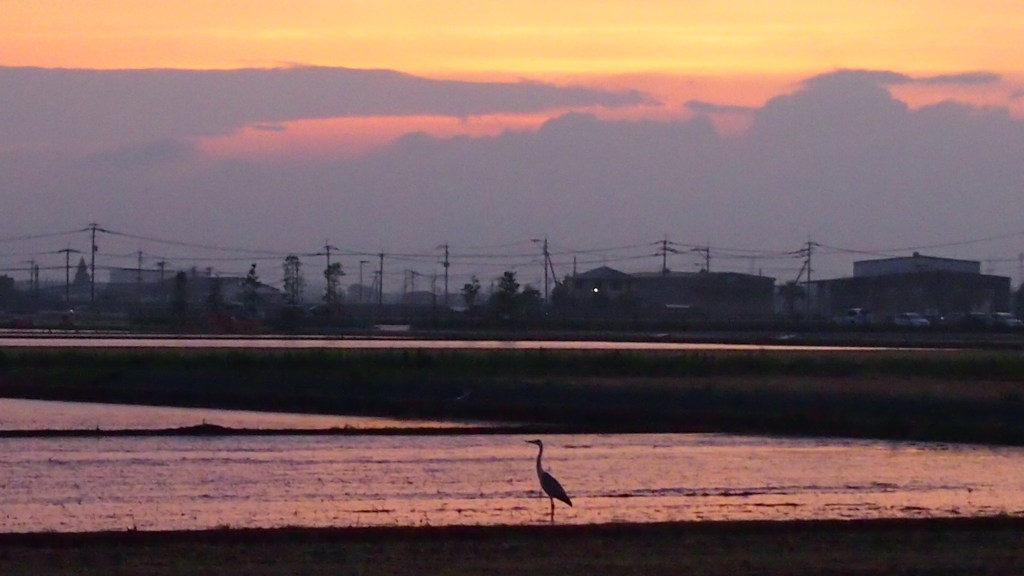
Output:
(193, 483)
(16, 414)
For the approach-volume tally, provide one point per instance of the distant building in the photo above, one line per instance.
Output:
(230, 290)
(914, 264)
(135, 276)
(926, 284)
(709, 294)
(603, 282)
(132, 285)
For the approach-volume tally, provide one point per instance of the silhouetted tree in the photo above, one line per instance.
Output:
(294, 283)
(332, 274)
(503, 301)
(179, 300)
(528, 301)
(6, 291)
(250, 292)
(470, 291)
(81, 273)
(561, 294)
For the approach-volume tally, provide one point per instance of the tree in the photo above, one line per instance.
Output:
(529, 300)
(332, 274)
(6, 290)
(561, 294)
(250, 292)
(503, 300)
(294, 283)
(179, 300)
(470, 291)
(507, 284)
(81, 273)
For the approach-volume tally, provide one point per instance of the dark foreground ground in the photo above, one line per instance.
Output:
(977, 546)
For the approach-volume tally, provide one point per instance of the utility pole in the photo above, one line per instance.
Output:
(810, 251)
(67, 273)
(706, 251)
(32, 268)
(327, 272)
(376, 282)
(380, 286)
(663, 252)
(92, 265)
(446, 263)
(547, 263)
(411, 292)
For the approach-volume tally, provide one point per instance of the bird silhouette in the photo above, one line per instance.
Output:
(548, 483)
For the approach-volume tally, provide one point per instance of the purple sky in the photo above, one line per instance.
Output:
(838, 161)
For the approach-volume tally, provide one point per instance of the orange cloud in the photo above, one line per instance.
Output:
(356, 136)
(353, 137)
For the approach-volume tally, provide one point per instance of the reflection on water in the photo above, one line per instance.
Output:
(46, 415)
(191, 483)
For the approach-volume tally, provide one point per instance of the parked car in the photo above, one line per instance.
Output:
(855, 317)
(1005, 320)
(910, 320)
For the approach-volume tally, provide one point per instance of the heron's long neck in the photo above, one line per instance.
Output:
(539, 454)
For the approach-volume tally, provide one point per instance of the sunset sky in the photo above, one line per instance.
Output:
(147, 88)
(456, 38)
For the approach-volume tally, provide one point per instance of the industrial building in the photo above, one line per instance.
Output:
(930, 285)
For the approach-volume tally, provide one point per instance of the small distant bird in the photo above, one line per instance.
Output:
(548, 483)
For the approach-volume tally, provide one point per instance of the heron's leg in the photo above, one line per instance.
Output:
(552, 509)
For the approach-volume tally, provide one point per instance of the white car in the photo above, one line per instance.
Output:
(910, 320)
(1005, 320)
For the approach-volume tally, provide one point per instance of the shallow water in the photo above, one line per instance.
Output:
(192, 483)
(16, 414)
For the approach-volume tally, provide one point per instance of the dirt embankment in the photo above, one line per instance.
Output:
(976, 547)
(953, 396)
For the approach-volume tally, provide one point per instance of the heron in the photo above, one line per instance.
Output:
(548, 483)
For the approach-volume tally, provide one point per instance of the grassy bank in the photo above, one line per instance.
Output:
(885, 547)
(966, 396)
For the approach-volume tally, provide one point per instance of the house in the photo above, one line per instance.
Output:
(602, 283)
(710, 294)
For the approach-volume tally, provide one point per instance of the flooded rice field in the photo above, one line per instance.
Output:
(89, 484)
(18, 414)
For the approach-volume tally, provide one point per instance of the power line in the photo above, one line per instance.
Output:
(38, 236)
(194, 245)
(510, 255)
